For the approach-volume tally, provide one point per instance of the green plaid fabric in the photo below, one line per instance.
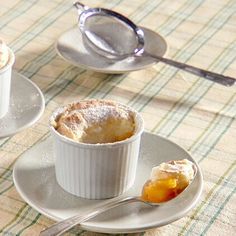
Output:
(195, 113)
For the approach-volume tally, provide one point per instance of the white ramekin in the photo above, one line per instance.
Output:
(5, 84)
(96, 171)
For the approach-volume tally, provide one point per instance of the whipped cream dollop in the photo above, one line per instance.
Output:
(171, 169)
(4, 54)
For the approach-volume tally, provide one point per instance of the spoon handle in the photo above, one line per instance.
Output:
(218, 78)
(65, 225)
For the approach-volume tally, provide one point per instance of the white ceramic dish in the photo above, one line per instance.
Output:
(96, 171)
(26, 106)
(35, 180)
(71, 48)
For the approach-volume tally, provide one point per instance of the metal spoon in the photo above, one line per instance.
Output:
(114, 36)
(64, 225)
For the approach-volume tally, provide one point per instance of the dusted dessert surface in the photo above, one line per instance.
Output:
(168, 180)
(96, 121)
(4, 54)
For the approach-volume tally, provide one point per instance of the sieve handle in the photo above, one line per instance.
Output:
(217, 78)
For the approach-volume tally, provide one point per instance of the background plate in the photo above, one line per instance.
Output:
(26, 106)
(70, 47)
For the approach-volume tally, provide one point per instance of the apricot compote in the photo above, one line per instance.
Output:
(168, 180)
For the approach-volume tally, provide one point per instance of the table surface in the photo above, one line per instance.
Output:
(194, 113)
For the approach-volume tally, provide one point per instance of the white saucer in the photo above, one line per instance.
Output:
(34, 178)
(26, 106)
(71, 48)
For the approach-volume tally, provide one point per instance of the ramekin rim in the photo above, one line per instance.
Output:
(138, 131)
(10, 61)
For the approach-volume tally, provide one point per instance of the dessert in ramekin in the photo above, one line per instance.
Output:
(96, 146)
(7, 59)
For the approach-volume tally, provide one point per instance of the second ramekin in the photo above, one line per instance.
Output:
(5, 84)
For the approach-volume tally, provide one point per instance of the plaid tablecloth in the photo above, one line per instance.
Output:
(195, 113)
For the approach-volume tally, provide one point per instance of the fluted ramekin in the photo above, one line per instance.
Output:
(5, 84)
(96, 171)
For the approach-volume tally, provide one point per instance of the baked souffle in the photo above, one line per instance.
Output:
(95, 121)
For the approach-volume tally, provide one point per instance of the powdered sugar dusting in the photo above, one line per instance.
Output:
(98, 114)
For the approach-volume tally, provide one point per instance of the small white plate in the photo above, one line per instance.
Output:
(70, 47)
(26, 106)
(34, 178)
